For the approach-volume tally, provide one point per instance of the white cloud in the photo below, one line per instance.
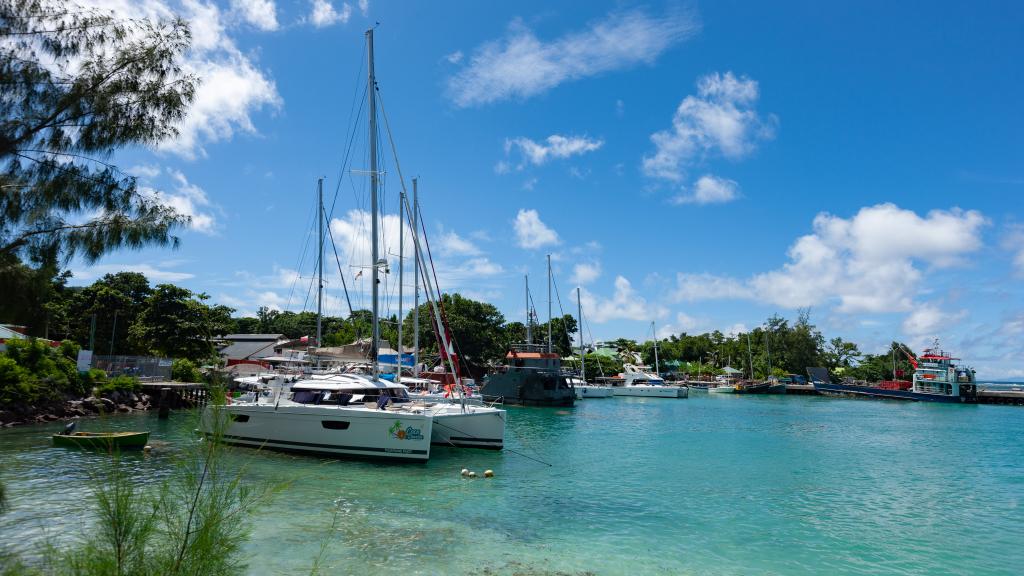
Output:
(502, 167)
(720, 119)
(364, 7)
(710, 189)
(585, 272)
(457, 260)
(521, 65)
(352, 235)
(454, 245)
(531, 232)
(695, 287)
(323, 13)
(452, 275)
(454, 57)
(144, 171)
(928, 321)
(231, 90)
(625, 304)
(554, 146)
(187, 199)
(231, 87)
(260, 13)
(868, 263)
(154, 274)
(1013, 242)
(736, 329)
(688, 323)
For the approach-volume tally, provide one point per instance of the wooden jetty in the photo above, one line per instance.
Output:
(176, 395)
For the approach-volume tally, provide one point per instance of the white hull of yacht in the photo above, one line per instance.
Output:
(650, 391)
(723, 390)
(472, 400)
(591, 391)
(326, 430)
(477, 427)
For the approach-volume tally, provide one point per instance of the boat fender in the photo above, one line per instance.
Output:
(488, 473)
(472, 474)
(465, 472)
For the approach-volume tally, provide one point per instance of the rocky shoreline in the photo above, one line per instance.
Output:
(69, 409)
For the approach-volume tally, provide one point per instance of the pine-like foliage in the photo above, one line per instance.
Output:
(76, 84)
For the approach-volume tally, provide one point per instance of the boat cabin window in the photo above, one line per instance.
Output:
(334, 424)
(306, 396)
(239, 417)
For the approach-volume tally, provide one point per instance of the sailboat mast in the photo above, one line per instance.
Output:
(320, 262)
(549, 303)
(529, 319)
(654, 332)
(750, 357)
(401, 278)
(579, 310)
(371, 95)
(416, 284)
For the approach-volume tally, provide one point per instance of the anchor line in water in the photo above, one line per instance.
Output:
(468, 435)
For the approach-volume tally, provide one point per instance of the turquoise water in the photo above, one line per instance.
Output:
(714, 484)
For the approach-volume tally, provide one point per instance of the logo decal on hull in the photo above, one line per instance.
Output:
(409, 433)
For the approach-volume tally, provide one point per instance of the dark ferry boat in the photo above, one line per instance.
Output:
(532, 376)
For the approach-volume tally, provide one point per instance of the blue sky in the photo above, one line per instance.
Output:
(703, 165)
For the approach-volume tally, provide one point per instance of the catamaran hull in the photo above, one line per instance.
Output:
(872, 392)
(324, 431)
(472, 429)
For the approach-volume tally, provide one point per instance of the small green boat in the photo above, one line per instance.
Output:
(104, 440)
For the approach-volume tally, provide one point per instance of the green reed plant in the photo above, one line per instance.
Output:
(193, 524)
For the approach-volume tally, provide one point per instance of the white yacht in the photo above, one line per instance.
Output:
(640, 381)
(586, 390)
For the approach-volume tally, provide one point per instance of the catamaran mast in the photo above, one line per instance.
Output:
(320, 263)
(750, 357)
(371, 96)
(579, 309)
(549, 303)
(401, 277)
(416, 285)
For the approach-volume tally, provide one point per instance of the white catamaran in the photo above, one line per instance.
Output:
(359, 414)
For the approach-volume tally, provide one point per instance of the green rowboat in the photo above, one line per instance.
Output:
(105, 440)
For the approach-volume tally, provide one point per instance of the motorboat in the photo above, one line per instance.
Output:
(638, 380)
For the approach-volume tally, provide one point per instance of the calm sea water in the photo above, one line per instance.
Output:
(713, 484)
